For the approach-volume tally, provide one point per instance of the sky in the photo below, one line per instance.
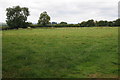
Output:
(71, 11)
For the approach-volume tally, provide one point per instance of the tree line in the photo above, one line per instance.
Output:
(17, 18)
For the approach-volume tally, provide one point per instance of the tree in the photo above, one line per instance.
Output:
(90, 23)
(17, 16)
(83, 24)
(110, 23)
(63, 22)
(44, 19)
(102, 23)
(117, 22)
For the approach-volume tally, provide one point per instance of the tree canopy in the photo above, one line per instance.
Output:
(17, 16)
(63, 22)
(44, 19)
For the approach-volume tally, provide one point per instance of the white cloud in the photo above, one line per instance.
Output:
(72, 11)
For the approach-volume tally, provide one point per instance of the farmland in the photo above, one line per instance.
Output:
(86, 52)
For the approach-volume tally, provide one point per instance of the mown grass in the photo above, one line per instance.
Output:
(61, 53)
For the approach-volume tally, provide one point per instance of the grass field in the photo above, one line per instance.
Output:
(61, 53)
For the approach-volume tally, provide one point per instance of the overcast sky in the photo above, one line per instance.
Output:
(71, 11)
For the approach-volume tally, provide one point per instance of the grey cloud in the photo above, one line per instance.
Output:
(66, 10)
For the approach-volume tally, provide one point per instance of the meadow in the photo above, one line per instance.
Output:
(86, 52)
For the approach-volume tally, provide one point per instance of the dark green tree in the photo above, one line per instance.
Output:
(83, 24)
(17, 17)
(63, 22)
(110, 23)
(90, 23)
(117, 22)
(102, 23)
(44, 19)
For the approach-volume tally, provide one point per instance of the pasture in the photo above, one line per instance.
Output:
(87, 52)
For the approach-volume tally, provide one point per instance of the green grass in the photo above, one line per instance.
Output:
(61, 53)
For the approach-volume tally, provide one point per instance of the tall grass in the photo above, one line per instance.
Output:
(60, 53)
